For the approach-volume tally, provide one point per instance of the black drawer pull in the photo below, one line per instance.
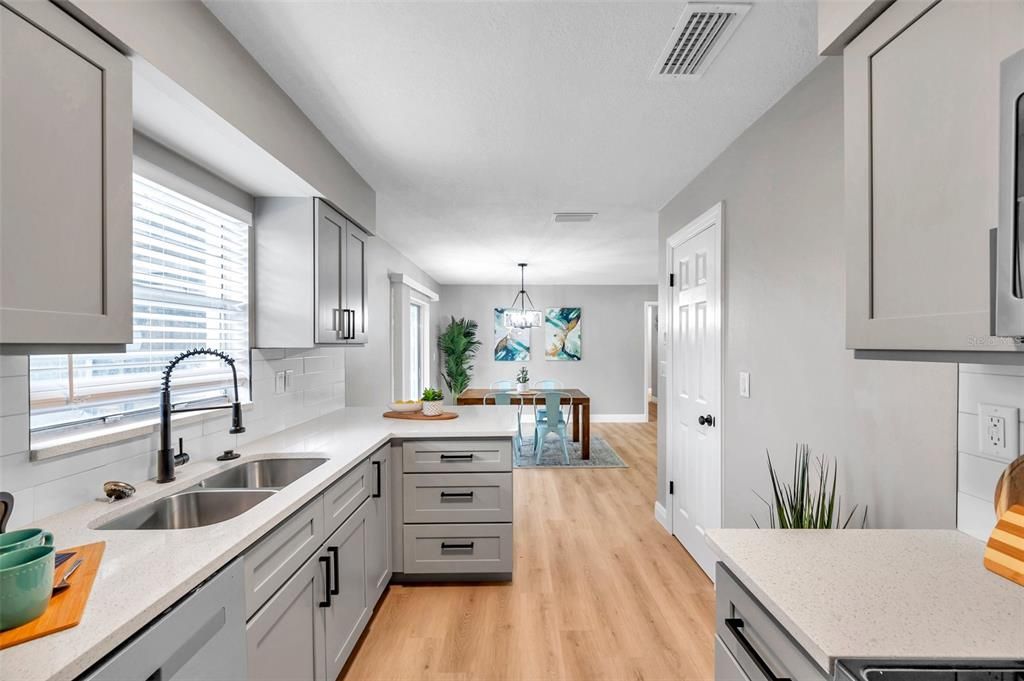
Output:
(456, 495)
(445, 546)
(735, 625)
(456, 457)
(376, 495)
(333, 550)
(326, 560)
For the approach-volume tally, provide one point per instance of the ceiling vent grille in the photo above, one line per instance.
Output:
(697, 38)
(575, 217)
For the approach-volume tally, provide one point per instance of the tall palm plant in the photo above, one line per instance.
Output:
(458, 344)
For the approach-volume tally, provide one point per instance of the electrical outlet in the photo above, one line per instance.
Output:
(278, 382)
(744, 384)
(999, 431)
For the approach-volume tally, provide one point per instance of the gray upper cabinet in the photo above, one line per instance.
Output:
(310, 275)
(922, 143)
(66, 187)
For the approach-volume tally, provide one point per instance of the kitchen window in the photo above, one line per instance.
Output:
(191, 289)
(419, 359)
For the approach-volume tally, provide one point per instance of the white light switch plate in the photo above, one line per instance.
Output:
(744, 384)
(999, 431)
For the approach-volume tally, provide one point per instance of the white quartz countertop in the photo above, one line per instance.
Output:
(879, 593)
(144, 572)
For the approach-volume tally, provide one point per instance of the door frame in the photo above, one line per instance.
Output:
(648, 305)
(711, 218)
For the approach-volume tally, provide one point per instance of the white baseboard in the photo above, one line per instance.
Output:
(618, 418)
(661, 515)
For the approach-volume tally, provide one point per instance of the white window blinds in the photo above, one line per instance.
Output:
(191, 289)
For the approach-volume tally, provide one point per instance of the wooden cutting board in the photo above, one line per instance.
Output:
(420, 416)
(1004, 554)
(66, 608)
(1010, 488)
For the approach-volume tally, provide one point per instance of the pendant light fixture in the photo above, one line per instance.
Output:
(521, 317)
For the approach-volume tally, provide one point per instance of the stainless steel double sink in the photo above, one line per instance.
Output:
(222, 496)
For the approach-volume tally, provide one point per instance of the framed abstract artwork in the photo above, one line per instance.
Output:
(563, 334)
(510, 345)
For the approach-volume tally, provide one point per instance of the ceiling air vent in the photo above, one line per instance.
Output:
(575, 217)
(697, 38)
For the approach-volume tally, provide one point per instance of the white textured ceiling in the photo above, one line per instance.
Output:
(474, 121)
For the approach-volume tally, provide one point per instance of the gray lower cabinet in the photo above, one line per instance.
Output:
(378, 525)
(65, 182)
(285, 640)
(922, 173)
(749, 642)
(202, 638)
(348, 605)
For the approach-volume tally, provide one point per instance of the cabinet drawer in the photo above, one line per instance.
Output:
(276, 557)
(753, 637)
(457, 456)
(443, 549)
(345, 495)
(726, 666)
(457, 497)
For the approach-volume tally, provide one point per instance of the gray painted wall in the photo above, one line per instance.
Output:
(368, 368)
(611, 370)
(892, 425)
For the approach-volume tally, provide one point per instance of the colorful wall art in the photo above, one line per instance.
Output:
(510, 345)
(563, 334)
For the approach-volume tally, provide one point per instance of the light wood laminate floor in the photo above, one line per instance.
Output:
(600, 591)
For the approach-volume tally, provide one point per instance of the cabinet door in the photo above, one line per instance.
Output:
(330, 235)
(66, 188)
(349, 610)
(286, 637)
(378, 526)
(201, 638)
(922, 141)
(355, 284)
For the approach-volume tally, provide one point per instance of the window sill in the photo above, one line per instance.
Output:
(52, 446)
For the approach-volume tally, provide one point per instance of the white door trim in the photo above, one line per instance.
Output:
(648, 304)
(712, 216)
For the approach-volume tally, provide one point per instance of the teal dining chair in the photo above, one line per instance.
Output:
(551, 416)
(505, 400)
(548, 384)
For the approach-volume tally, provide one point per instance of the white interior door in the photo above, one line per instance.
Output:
(694, 430)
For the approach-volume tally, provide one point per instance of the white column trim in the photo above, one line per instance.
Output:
(422, 289)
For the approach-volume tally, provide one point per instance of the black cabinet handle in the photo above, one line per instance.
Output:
(333, 550)
(445, 546)
(376, 464)
(456, 495)
(350, 324)
(735, 625)
(708, 420)
(456, 457)
(326, 560)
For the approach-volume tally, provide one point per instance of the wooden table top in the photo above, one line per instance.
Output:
(476, 395)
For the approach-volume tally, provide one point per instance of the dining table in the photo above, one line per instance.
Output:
(578, 401)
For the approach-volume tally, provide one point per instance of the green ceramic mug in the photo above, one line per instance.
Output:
(26, 584)
(24, 539)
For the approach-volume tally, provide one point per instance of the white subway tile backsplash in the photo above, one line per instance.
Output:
(976, 474)
(316, 387)
(13, 434)
(13, 395)
(13, 365)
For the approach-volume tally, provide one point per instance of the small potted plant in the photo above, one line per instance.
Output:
(523, 380)
(432, 402)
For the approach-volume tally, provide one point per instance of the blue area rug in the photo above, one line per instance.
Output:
(602, 455)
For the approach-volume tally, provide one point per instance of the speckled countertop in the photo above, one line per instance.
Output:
(145, 572)
(879, 593)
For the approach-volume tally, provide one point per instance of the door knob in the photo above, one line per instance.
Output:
(708, 420)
